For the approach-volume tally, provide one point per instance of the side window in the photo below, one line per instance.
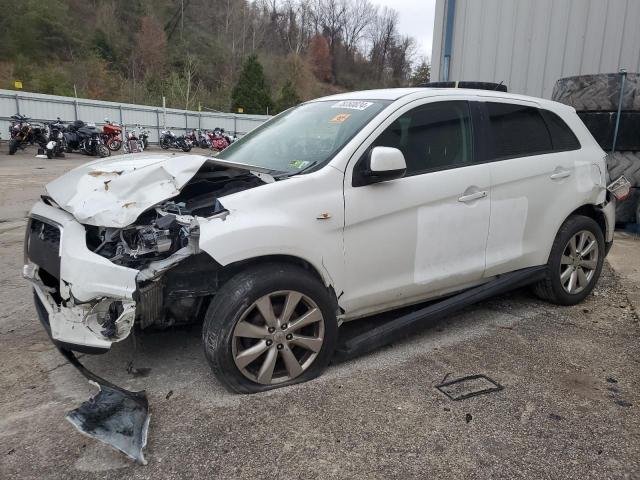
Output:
(517, 131)
(562, 137)
(433, 136)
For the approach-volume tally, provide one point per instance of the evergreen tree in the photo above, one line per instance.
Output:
(251, 93)
(288, 97)
(421, 74)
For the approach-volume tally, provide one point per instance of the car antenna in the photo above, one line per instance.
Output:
(498, 85)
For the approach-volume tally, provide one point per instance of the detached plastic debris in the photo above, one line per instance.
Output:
(114, 416)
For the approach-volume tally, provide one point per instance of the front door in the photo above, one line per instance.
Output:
(424, 234)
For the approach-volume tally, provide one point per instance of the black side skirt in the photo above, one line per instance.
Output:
(398, 328)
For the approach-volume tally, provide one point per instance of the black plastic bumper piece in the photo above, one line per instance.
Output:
(398, 328)
(43, 316)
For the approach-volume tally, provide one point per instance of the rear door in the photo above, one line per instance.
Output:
(533, 182)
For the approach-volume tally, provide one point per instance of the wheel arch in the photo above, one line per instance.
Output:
(594, 212)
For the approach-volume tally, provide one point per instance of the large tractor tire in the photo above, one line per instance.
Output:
(600, 92)
(627, 164)
(602, 126)
(624, 163)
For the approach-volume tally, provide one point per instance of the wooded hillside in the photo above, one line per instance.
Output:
(193, 51)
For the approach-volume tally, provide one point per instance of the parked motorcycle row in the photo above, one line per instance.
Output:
(216, 140)
(57, 138)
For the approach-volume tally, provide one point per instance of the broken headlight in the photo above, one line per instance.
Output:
(156, 235)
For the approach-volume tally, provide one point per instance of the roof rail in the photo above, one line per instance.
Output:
(499, 87)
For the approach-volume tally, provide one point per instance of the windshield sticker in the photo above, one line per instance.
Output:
(299, 164)
(352, 104)
(341, 117)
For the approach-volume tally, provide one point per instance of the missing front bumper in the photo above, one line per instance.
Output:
(90, 327)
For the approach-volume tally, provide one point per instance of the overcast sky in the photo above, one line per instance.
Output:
(416, 20)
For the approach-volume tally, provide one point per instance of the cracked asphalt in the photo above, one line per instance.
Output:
(569, 408)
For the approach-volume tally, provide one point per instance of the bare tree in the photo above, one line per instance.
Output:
(359, 15)
(382, 33)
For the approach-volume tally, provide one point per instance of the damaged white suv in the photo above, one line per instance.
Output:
(335, 210)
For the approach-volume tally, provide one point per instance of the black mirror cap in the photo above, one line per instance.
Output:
(362, 174)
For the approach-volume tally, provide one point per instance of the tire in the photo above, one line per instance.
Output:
(114, 145)
(102, 151)
(627, 209)
(13, 146)
(186, 148)
(552, 288)
(624, 163)
(602, 126)
(235, 303)
(49, 154)
(600, 92)
(164, 145)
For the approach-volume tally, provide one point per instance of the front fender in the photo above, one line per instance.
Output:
(235, 239)
(300, 217)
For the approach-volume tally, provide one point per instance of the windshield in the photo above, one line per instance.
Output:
(304, 137)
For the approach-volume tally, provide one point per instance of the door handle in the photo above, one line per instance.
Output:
(472, 196)
(559, 173)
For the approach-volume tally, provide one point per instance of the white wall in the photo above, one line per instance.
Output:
(529, 44)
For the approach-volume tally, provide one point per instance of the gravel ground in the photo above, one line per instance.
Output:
(569, 407)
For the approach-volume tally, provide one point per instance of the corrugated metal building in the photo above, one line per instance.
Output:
(529, 44)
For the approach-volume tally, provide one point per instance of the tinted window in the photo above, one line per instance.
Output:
(562, 137)
(433, 136)
(517, 130)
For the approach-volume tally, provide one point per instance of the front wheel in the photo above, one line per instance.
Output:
(575, 262)
(270, 326)
(13, 146)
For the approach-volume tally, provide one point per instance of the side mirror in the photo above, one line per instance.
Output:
(380, 165)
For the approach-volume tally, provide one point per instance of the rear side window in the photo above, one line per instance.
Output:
(562, 137)
(517, 131)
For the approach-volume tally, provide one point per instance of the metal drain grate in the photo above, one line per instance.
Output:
(469, 386)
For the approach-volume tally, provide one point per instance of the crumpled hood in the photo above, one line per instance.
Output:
(113, 192)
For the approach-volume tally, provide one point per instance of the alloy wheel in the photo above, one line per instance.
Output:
(278, 337)
(579, 262)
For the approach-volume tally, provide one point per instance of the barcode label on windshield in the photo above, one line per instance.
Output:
(352, 104)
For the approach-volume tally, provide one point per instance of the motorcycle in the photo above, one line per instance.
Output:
(169, 140)
(203, 139)
(112, 135)
(133, 144)
(22, 133)
(143, 135)
(56, 144)
(220, 140)
(86, 138)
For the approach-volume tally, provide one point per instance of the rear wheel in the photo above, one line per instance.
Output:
(102, 150)
(114, 145)
(575, 262)
(270, 326)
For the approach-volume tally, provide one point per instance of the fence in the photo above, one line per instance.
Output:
(44, 108)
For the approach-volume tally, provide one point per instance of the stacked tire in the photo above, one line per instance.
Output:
(595, 98)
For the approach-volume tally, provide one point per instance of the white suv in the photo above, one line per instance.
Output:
(337, 209)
